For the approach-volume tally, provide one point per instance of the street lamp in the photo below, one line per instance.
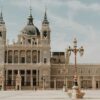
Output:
(75, 50)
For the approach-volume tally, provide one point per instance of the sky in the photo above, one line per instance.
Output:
(68, 19)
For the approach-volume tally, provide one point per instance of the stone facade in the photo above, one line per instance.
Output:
(88, 75)
(38, 67)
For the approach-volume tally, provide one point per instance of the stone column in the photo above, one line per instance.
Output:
(6, 77)
(25, 77)
(66, 84)
(31, 80)
(31, 41)
(37, 77)
(37, 42)
(2, 81)
(43, 83)
(37, 56)
(25, 57)
(31, 56)
(79, 83)
(3, 84)
(55, 84)
(93, 83)
(12, 56)
(7, 57)
(12, 77)
(18, 56)
(40, 56)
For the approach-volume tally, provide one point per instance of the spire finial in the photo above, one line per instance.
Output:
(45, 21)
(1, 17)
(30, 19)
(30, 8)
(45, 16)
(1, 14)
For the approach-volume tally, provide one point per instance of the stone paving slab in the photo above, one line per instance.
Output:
(45, 95)
(32, 95)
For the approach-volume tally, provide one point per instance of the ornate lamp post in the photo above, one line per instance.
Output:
(76, 91)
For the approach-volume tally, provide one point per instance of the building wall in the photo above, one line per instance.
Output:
(55, 73)
(26, 59)
(58, 70)
(88, 75)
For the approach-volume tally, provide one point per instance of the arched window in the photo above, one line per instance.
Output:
(34, 42)
(45, 60)
(28, 56)
(15, 56)
(34, 56)
(10, 56)
(22, 56)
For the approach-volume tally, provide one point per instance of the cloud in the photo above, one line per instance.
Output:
(88, 34)
(64, 24)
(78, 5)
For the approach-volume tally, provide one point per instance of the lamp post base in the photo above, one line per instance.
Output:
(76, 93)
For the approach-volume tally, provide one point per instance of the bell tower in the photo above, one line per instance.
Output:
(2, 40)
(45, 29)
(2, 30)
(45, 49)
(45, 39)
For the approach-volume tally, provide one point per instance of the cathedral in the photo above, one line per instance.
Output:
(29, 62)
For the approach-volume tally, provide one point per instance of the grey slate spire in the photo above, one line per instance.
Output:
(1, 18)
(45, 20)
(30, 19)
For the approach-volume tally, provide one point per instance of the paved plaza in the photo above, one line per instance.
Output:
(45, 95)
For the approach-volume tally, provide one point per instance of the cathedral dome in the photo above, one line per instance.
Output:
(30, 28)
